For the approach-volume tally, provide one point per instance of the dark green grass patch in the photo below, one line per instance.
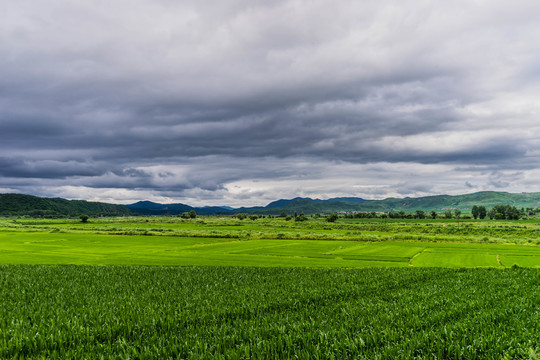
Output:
(77, 312)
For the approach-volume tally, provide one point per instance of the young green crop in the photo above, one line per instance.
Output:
(70, 312)
(97, 249)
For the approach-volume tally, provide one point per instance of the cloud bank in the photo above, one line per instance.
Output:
(243, 102)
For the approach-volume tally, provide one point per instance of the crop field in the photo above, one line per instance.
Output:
(215, 241)
(222, 288)
(132, 312)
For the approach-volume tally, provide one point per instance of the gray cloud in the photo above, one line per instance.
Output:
(192, 101)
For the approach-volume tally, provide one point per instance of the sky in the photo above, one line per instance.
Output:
(241, 103)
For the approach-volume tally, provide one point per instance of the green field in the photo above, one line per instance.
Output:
(94, 249)
(270, 242)
(116, 312)
(221, 288)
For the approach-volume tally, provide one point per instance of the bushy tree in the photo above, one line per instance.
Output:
(420, 214)
(192, 214)
(433, 214)
(300, 217)
(332, 217)
(501, 212)
(475, 211)
(482, 212)
(84, 218)
(241, 216)
(448, 214)
(479, 212)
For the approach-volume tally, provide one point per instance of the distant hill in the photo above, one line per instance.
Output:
(462, 202)
(314, 205)
(285, 202)
(347, 199)
(427, 203)
(20, 205)
(152, 208)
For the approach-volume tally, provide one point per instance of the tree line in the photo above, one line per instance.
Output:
(498, 212)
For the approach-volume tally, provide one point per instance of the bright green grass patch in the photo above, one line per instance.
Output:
(73, 248)
(397, 249)
(92, 249)
(96, 249)
(520, 260)
(434, 258)
(117, 312)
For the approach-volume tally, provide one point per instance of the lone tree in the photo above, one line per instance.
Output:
(84, 218)
(192, 214)
(433, 214)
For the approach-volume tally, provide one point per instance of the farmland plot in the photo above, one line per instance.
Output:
(97, 249)
(75, 312)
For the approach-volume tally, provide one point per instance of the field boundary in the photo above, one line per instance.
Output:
(414, 256)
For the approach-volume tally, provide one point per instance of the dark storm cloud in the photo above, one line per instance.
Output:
(190, 99)
(49, 169)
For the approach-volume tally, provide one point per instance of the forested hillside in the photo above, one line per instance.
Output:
(20, 205)
(437, 203)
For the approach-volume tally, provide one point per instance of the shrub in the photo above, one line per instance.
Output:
(332, 217)
(300, 217)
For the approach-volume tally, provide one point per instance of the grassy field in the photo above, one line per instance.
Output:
(116, 312)
(349, 243)
(269, 289)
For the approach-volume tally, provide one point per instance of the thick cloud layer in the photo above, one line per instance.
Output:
(242, 102)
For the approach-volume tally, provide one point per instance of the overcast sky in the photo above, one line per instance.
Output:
(244, 102)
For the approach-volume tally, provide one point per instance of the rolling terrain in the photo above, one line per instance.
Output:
(438, 203)
(19, 205)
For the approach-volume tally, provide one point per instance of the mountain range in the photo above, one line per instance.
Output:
(18, 205)
(350, 204)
